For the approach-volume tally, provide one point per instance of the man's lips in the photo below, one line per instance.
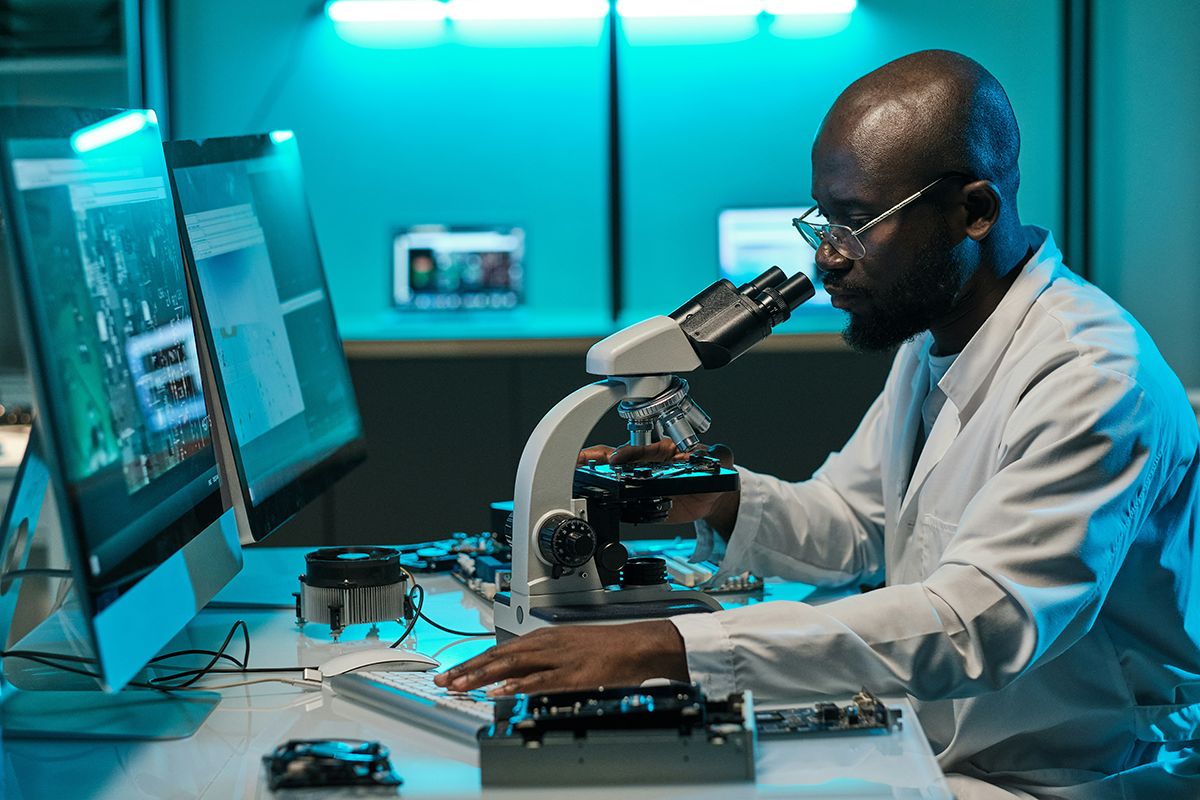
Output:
(842, 298)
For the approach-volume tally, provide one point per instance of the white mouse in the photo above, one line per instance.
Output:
(380, 659)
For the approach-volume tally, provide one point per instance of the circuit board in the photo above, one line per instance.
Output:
(865, 712)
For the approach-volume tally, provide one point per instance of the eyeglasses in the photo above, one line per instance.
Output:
(844, 240)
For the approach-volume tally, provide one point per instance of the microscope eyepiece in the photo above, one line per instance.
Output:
(768, 280)
(722, 322)
(796, 290)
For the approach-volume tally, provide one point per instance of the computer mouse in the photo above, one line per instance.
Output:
(379, 659)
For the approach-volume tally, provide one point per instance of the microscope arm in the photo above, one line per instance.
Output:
(545, 479)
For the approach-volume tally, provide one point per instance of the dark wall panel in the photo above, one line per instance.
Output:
(445, 435)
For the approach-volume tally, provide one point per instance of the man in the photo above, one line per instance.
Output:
(1026, 485)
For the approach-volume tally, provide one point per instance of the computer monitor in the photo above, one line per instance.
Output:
(122, 433)
(287, 405)
(752, 240)
(440, 268)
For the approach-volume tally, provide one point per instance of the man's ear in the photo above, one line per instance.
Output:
(982, 202)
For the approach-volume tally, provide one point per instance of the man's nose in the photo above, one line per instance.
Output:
(830, 259)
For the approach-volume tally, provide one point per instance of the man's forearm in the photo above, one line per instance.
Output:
(724, 514)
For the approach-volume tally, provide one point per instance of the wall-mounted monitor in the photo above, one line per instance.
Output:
(439, 268)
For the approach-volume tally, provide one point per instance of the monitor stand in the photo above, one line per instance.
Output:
(40, 702)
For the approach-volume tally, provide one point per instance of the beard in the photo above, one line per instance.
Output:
(923, 294)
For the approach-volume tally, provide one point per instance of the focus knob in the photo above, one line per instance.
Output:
(567, 541)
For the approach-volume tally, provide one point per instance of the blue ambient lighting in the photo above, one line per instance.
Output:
(111, 130)
(278, 137)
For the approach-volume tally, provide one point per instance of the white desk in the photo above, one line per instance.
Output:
(223, 760)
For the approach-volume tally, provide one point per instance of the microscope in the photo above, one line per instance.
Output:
(568, 565)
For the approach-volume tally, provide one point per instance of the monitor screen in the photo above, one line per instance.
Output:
(94, 252)
(440, 268)
(287, 402)
(752, 240)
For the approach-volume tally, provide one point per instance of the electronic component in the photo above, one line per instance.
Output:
(865, 712)
(303, 764)
(442, 555)
(351, 586)
(686, 573)
(636, 734)
(484, 575)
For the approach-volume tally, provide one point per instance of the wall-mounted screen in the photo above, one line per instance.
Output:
(752, 240)
(442, 268)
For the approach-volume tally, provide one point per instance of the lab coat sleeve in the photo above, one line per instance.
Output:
(1022, 577)
(824, 531)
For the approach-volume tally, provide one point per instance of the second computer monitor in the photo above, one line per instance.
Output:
(752, 240)
(288, 408)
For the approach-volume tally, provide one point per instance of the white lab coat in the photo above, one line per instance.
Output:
(1041, 605)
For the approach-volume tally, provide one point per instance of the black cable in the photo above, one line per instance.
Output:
(165, 681)
(451, 630)
(182, 653)
(416, 616)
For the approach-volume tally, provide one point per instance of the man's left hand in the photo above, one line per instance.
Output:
(575, 657)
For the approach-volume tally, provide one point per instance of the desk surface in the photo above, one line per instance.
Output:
(223, 760)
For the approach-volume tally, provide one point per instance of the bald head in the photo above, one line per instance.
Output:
(922, 116)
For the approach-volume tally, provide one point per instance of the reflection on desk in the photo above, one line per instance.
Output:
(223, 760)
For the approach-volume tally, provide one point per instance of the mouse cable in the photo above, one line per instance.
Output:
(412, 579)
(471, 634)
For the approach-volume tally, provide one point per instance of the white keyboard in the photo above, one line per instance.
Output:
(412, 697)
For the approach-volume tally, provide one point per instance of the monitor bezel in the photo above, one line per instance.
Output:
(275, 509)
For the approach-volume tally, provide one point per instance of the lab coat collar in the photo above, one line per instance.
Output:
(964, 384)
(972, 370)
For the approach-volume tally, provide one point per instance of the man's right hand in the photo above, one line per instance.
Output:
(718, 509)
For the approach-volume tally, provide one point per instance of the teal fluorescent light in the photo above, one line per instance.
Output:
(111, 130)
(435, 10)
(689, 8)
(386, 10)
(279, 137)
(526, 9)
(785, 7)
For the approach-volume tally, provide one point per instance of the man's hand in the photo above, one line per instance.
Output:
(575, 657)
(718, 509)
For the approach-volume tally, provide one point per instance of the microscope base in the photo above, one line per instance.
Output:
(510, 621)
